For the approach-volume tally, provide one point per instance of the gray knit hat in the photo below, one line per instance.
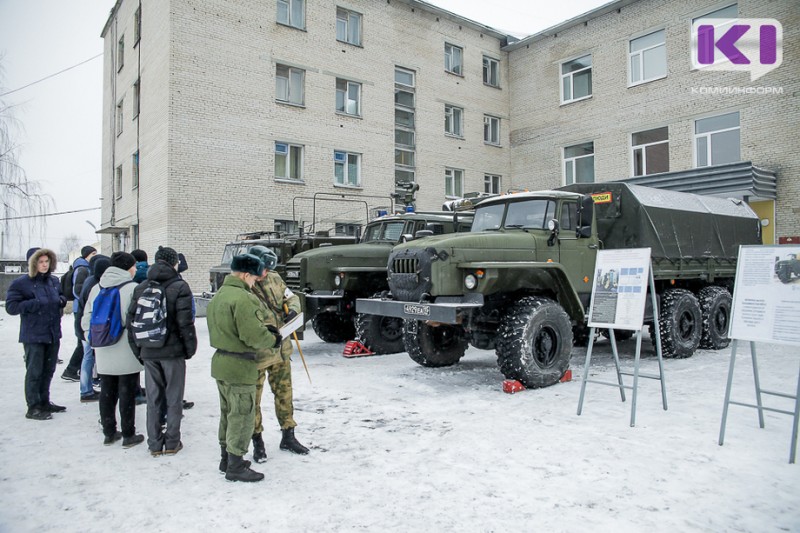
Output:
(168, 255)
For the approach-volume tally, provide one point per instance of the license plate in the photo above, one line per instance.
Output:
(417, 310)
(292, 274)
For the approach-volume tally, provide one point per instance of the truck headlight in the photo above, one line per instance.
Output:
(337, 279)
(470, 281)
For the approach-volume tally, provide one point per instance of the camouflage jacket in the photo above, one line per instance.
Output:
(274, 293)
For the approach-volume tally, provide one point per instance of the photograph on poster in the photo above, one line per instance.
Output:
(620, 288)
(766, 296)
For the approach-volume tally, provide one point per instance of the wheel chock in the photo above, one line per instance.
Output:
(567, 376)
(510, 386)
(356, 349)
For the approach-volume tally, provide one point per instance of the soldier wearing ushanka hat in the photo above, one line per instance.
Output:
(237, 329)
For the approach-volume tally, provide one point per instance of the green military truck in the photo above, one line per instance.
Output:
(331, 279)
(520, 282)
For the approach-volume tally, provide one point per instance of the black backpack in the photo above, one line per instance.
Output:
(66, 283)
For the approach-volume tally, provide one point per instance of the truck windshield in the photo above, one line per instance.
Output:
(528, 214)
(384, 231)
(231, 250)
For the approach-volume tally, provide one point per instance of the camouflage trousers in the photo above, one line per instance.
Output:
(280, 381)
(237, 411)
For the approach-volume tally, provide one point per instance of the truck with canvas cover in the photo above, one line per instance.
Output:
(520, 282)
(331, 279)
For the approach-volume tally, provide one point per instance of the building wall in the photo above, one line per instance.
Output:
(542, 127)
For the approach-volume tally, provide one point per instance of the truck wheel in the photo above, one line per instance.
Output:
(535, 339)
(332, 327)
(431, 346)
(680, 322)
(381, 334)
(784, 274)
(715, 303)
(619, 334)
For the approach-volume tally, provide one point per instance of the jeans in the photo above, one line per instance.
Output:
(40, 365)
(87, 369)
(120, 389)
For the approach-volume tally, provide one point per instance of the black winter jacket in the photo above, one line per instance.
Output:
(181, 335)
(38, 300)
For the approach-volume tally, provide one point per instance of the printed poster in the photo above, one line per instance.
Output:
(620, 288)
(766, 297)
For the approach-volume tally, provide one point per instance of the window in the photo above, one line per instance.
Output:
(289, 83)
(347, 228)
(119, 117)
(137, 25)
(402, 177)
(284, 226)
(648, 58)
(491, 130)
(118, 182)
(134, 236)
(650, 151)
(404, 138)
(576, 79)
(404, 118)
(292, 13)
(404, 77)
(579, 163)
(453, 183)
(453, 120)
(120, 53)
(453, 59)
(491, 71)
(136, 97)
(288, 161)
(491, 183)
(404, 134)
(728, 13)
(348, 26)
(348, 97)
(347, 169)
(530, 214)
(716, 140)
(569, 217)
(403, 97)
(404, 157)
(135, 170)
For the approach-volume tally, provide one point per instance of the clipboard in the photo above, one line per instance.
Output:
(295, 324)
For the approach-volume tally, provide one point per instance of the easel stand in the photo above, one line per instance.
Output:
(759, 406)
(636, 374)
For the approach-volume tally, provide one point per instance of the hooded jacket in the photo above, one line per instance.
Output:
(141, 271)
(181, 339)
(98, 265)
(118, 359)
(38, 300)
(81, 271)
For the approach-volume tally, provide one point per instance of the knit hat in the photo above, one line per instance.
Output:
(183, 266)
(98, 265)
(168, 255)
(247, 263)
(87, 250)
(122, 260)
(139, 255)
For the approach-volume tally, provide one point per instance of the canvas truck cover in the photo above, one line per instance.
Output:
(675, 225)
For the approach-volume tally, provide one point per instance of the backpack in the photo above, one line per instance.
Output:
(105, 328)
(67, 283)
(149, 324)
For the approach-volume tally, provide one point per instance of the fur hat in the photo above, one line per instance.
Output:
(266, 255)
(87, 251)
(168, 255)
(33, 260)
(247, 263)
(139, 255)
(122, 260)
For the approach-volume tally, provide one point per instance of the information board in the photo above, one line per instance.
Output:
(620, 288)
(766, 297)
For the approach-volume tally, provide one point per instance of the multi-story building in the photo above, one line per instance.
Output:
(222, 117)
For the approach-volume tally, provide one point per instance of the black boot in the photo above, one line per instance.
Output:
(288, 442)
(239, 471)
(259, 452)
(223, 461)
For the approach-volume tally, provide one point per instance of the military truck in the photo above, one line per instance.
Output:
(787, 269)
(520, 282)
(331, 280)
(284, 245)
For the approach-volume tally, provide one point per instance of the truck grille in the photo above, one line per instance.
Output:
(410, 273)
(405, 266)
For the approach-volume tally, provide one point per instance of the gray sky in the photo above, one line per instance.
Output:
(61, 141)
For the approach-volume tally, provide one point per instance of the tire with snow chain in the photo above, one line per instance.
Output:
(680, 322)
(332, 327)
(431, 346)
(715, 304)
(534, 342)
(381, 334)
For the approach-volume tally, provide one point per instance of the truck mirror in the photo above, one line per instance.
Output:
(552, 225)
(405, 237)
(423, 233)
(585, 212)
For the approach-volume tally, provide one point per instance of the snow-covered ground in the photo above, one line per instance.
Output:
(399, 447)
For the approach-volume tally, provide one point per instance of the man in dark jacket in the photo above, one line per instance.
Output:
(38, 300)
(98, 265)
(80, 271)
(165, 367)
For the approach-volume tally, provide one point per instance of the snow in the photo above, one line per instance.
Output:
(399, 447)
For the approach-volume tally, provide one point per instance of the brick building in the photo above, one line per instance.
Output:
(222, 117)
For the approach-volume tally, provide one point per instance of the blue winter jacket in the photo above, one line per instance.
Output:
(38, 300)
(141, 271)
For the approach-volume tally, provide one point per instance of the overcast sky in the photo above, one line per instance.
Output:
(61, 141)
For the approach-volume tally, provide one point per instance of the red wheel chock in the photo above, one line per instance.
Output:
(356, 349)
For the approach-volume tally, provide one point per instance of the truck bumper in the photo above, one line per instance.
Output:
(323, 302)
(446, 309)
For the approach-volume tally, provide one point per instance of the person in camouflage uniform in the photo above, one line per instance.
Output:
(238, 330)
(274, 294)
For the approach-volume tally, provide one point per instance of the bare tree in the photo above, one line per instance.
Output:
(70, 243)
(22, 202)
